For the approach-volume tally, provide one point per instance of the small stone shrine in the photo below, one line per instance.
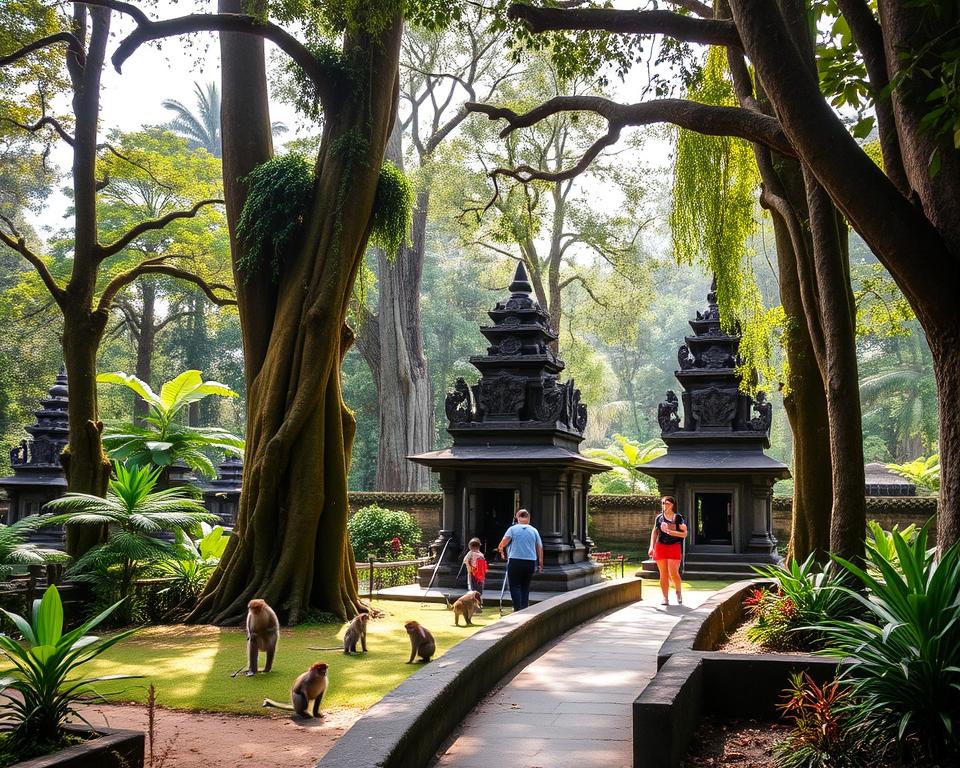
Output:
(715, 463)
(516, 436)
(37, 475)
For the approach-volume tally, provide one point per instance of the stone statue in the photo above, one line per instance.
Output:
(458, 405)
(764, 417)
(667, 414)
(550, 407)
(684, 357)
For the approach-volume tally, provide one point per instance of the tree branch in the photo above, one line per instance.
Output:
(703, 118)
(694, 6)
(148, 30)
(150, 225)
(45, 120)
(73, 44)
(155, 267)
(19, 244)
(587, 288)
(686, 28)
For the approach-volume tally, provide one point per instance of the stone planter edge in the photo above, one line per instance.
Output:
(127, 745)
(409, 725)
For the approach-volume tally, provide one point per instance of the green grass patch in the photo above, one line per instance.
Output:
(190, 666)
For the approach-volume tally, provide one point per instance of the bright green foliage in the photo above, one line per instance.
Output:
(823, 734)
(925, 472)
(162, 440)
(392, 209)
(715, 183)
(16, 551)
(805, 595)
(136, 514)
(372, 528)
(278, 195)
(187, 573)
(881, 543)
(625, 455)
(902, 656)
(44, 677)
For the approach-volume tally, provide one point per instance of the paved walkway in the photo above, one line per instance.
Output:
(571, 706)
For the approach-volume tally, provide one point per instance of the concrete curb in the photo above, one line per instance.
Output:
(704, 628)
(407, 726)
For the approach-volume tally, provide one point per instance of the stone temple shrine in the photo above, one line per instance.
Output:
(516, 436)
(37, 474)
(715, 465)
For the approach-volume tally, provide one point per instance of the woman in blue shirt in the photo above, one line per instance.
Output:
(524, 556)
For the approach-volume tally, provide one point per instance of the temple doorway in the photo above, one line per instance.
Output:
(713, 518)
(496, 508)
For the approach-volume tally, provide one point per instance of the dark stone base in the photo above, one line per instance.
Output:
(555, 578)
(717, 565)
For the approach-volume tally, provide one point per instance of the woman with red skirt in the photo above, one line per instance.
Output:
(666, 547)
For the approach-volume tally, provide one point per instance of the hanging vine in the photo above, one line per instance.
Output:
(713, 218)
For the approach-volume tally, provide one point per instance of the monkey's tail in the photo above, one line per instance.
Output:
(331, 648)
(277, 704)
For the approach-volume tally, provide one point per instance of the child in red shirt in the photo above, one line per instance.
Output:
(476, 567)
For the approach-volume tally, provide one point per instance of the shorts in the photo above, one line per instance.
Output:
(667, 551)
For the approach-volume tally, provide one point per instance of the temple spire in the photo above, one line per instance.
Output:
(521, 283)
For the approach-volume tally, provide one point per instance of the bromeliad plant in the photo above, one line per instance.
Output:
(136, 515)
(43, 687)
(805, 595)
(162, 439)
(903, 657)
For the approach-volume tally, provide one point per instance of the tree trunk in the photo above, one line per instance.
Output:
(841, 376)
(806, 407)
(945, 348)
(145, 344)
(84, 463)
(393, 349)
(290, 545)
(198, 359)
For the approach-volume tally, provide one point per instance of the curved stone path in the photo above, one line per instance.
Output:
(571, 705)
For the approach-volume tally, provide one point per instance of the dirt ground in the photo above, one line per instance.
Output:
(214, 740)
(742, 743)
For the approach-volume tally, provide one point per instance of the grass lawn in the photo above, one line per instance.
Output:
(190, 666)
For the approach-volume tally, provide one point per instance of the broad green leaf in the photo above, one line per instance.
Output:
(49, 619)
(174, 392)
(132, 382)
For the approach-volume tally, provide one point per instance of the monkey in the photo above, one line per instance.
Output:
(263, 631)
(311, 685)
(421, 642)
(466, 606)
(356, 632)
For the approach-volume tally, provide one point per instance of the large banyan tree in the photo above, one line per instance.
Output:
(298, 233)
(898, 56)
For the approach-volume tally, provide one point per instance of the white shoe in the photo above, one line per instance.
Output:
(664, 602)
(679, 599)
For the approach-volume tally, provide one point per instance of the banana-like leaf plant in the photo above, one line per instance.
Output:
(162, 439)
(43, 687)
(625, 455)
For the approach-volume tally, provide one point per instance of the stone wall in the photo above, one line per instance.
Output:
(627, 519)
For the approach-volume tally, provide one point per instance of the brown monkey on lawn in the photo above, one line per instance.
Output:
(466, 606)
(356, 633)
(263, 631)
(310, 686)
(421, 641)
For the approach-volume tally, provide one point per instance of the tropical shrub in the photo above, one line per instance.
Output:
(805, 595)
(162, 440)
(624, 456)
(16, 550)
(903, 656)
(824, 734)
(185, 573)
(925, 473)
(43, 687)
(136, 516)
(881, 542)
(373, 528)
